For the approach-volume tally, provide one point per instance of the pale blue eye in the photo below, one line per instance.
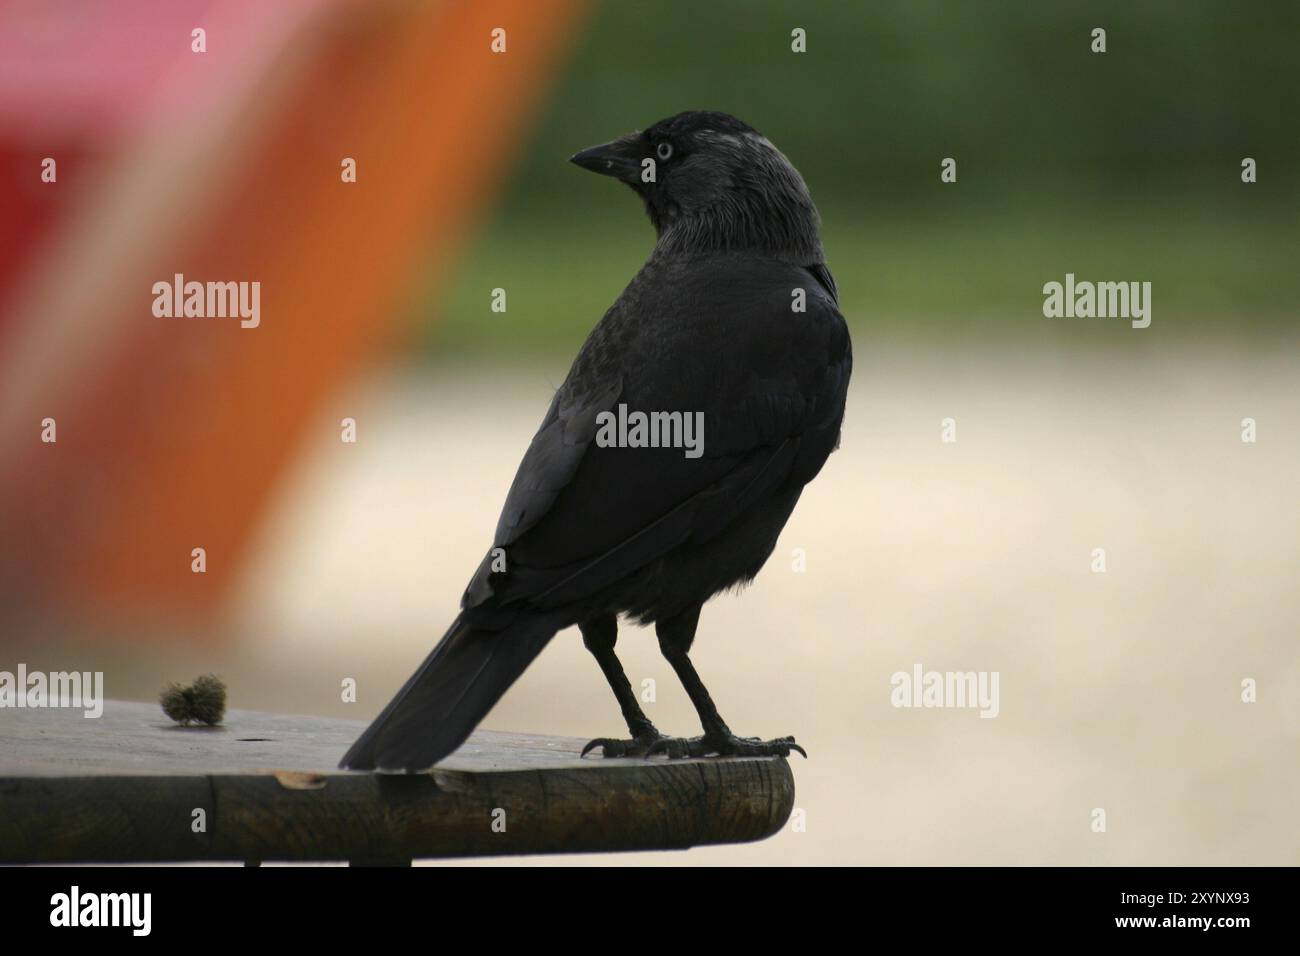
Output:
(664, 151)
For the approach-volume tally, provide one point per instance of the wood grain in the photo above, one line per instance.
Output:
(125, 788)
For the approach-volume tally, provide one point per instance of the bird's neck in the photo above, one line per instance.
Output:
(785, 229)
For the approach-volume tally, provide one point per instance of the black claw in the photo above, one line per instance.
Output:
(601, 742)
(635, 747)
(678, 748)
(662, 745)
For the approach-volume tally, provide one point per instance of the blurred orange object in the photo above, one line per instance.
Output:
(172, 431)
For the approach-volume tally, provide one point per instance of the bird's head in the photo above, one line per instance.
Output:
(712, 183)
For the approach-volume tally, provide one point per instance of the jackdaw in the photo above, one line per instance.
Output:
(734, 316)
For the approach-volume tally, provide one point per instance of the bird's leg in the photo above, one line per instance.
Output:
(675, 638)
(599, 634)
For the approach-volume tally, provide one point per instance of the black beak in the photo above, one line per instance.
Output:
(620, 158)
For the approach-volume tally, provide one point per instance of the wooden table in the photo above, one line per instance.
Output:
(131, 786)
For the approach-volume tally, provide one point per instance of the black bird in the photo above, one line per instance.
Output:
(733, 316)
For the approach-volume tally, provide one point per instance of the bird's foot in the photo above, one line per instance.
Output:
(724, 745)
(638, 746)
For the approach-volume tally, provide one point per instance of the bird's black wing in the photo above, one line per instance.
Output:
(823, 275)
(721, 337)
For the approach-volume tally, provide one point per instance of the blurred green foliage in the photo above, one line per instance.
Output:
(1117, 166)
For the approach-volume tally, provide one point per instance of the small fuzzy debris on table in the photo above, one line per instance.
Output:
(204, 702)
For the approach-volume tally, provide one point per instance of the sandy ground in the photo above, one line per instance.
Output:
(1118, 691)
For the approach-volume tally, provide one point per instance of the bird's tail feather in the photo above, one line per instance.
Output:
(443, 701)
